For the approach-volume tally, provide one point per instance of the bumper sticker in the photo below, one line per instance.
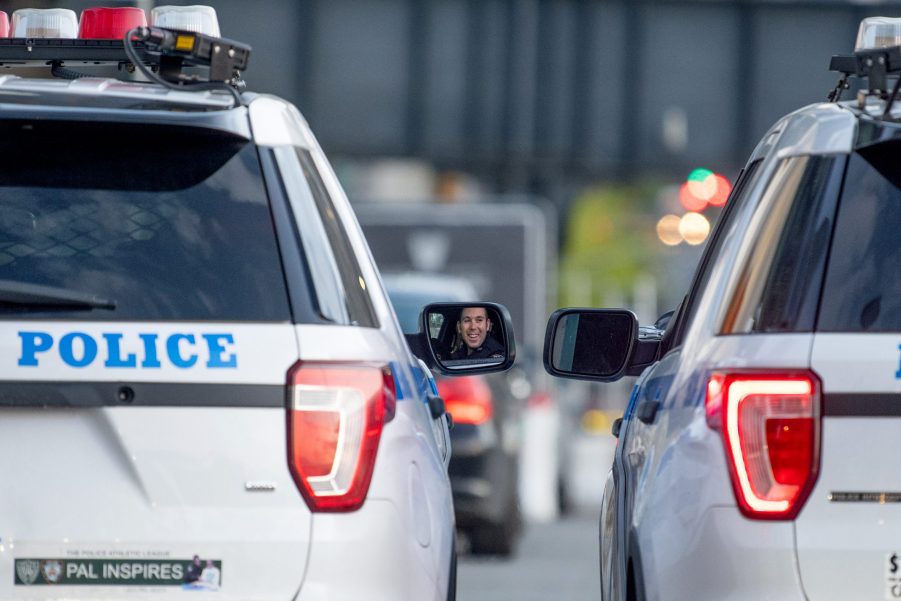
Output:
(189, 574)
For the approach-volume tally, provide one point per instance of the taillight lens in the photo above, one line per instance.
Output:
(4, 25)
(196, 18)
(335, 417)
(103, 23)
(771, 429)
(44, 23)
(467, 398)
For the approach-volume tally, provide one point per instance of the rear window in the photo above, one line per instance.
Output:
(170, 223)
(863, 279)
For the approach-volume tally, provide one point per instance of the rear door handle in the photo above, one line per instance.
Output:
(436, 406)
(617, 426)
(647, 411)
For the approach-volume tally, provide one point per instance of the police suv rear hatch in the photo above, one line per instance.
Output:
(145, 338)
(849, 532)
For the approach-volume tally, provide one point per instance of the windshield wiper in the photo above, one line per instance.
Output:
(35, 295)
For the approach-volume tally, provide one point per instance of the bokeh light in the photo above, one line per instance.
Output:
(723, 189)
(689, 199)
(668, 230)
(699, 175)
(694, 228)
(702, 188)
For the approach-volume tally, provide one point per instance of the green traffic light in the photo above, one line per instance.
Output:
(699, 175)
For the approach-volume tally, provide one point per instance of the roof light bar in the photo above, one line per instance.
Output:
(44, 23)
(877, 56)
(101, 23)
(878, 32)
(196, 18)
(120, 37)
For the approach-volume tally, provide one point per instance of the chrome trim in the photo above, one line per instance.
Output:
(817, 129)
(260, 486)
(278, 123)
(104, 87)
(864, 497)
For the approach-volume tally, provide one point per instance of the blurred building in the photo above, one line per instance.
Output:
(534, 96)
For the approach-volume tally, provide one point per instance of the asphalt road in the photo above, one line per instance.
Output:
(554, 562)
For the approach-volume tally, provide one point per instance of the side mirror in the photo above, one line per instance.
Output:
(590, 344)
(467, 338)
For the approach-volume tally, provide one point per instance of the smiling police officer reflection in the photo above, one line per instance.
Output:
(473, 341)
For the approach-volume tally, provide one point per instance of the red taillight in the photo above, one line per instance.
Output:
(4, 25)
(103, 23)
(467, 398)
(771, 430)
(335, 417)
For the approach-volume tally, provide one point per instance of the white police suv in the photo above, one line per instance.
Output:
(204, 392)
(758, 455)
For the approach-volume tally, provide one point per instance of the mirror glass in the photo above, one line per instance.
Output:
(467, 337)
(592, 343)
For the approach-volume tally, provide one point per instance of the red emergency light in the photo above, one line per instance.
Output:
(103, 23)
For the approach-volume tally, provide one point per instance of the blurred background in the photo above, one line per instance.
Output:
(552, 153)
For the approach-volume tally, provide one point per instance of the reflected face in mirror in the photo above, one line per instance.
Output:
(473, 327)
(466, 337)
(473, 340)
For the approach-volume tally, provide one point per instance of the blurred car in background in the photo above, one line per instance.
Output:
(484, 464)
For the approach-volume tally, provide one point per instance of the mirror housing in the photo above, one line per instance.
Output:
(592, 344)
(443, 346)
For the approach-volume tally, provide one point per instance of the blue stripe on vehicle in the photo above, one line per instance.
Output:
(424, 383)
(401, 385)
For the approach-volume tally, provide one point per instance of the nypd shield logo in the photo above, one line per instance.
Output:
(27, 570)
(52, 570)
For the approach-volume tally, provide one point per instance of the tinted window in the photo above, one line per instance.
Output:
(780, 281)
(325, 281)
(359, 306)
(171, 223)
(863, 280)
(337, 280)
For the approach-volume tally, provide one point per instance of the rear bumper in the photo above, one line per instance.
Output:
(728, 558)
(370, 554)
